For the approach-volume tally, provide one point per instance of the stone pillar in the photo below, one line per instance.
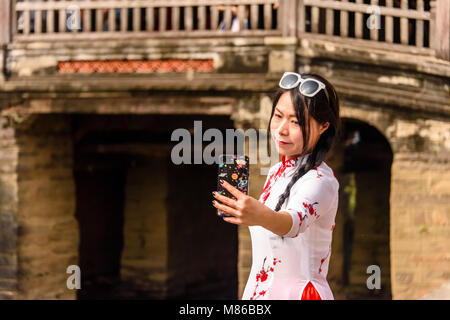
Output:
(420, 226)
(420, 207)
(8, 211)
(145, 252)
(48, 234)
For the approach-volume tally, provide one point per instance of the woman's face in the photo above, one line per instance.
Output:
(287, 132)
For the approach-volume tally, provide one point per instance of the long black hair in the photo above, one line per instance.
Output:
(322, 109)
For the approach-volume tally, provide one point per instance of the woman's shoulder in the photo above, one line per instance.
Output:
(321, 176)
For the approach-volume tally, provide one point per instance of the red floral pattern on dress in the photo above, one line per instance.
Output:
(274, 176)
(323, 260)
(319, 175)
(308, 208)
(262, 276)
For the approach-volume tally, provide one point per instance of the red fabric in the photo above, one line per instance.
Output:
(310, 293)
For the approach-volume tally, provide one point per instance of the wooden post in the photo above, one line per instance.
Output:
(5, 21)
(292, 30)
(287, 17)
(344, 22)
(389, 25)
(404, 32)
(440, 24)
(419, 26)
(254, 17)
(329, 22)
(267, 16)
(301, 18)
(359, 23)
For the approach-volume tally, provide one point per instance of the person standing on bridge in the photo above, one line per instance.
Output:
(291, 225)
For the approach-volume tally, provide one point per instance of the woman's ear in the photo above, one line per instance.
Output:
(324, 127)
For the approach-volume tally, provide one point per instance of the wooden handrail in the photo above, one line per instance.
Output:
(106, 4)
(362, 8)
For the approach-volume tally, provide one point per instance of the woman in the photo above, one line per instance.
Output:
(291, 225)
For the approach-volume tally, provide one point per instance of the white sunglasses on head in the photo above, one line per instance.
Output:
(308, 87)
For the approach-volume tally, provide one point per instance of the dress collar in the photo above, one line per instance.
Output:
(292, 162)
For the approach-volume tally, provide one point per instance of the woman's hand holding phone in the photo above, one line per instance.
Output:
(244, 210)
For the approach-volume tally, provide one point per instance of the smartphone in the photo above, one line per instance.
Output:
(235, 170)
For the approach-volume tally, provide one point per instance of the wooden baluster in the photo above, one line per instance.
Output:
(62, 17)
(344, 22)
(112, 20)
(241, 17)
(359, 17)
(98, 20)
(175, 18)
(214, 17)
(329, 22)
(419, 25)
(227, 17)
(26, 20)
(389, 24)
(254, 17)
(267, 16)
(150, 16)
(201, 14)
(404, 24)
(315, 19)
(188, 23)
(162, 19)
(123, 19)
(87, 20)
(38, 21)
(50, 21)
(374, 33)
(136, 19)
(75, 18)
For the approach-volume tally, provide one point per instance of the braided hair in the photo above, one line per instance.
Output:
(323, 107)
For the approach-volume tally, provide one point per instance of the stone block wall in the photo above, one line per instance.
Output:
(47, 235)
(420, 224)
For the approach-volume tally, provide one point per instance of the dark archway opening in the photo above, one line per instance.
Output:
(363, 160)
(147, 226)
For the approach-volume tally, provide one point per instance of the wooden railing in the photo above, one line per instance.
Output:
(45, 20)
(402, 22)
(418, 26)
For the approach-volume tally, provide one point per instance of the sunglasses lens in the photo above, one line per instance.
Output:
(289, 80)
(309, 87)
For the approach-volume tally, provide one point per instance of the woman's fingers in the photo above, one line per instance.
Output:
(232, 220)
(235, 192)
(229, 202)
(225, 208)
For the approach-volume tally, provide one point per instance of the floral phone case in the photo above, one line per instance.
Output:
(235, 170)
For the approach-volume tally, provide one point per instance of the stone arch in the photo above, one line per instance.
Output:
(362, 162)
